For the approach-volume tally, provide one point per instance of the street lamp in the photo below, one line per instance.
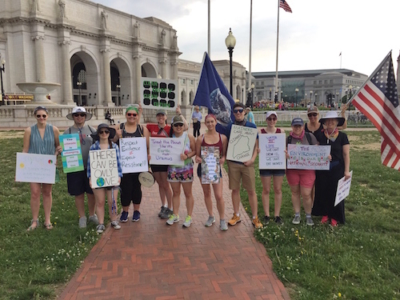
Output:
(281, 95)
(118, 89)
(2, 69)
(79, 84)
(311, 97)
(337, 98)
(296, 90)
(350, 95)
(270, 94)
(230, 43)
(315, 98)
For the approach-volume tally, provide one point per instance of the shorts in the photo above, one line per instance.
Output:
(131, 189)
(159, 168)
(199, 172)
(304, 178)
(78, 183)
(181, 174)
(269, 173)
(237, 172)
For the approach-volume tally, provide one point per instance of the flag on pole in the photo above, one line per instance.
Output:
(379, 101)
(213, 94)
(283, 4)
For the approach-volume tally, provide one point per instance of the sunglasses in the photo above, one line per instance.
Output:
(131, 115)
(238, 111)
(271, 119)
(104, 132)
(312, 115)
(178, 125)
(41, 116)
(79, 115)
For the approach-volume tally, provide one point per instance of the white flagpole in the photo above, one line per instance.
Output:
(251, 27)
(209, 29)
(277, 52)
(341, 55)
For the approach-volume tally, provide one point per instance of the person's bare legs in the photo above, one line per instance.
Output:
(278, 180)
(113, 215)
(187, 189)
(220, 200)
(100, 195)
(47, 202)
(295, 198)
(176, 197)
(157, 177)
(91, 204)
(35, 202)
(163, 185)
(266, 183)
(253, 202)
(307, 199)
(80, 204)
(207, 198)
(236, 200)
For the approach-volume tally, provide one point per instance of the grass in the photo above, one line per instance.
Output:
(359, 260)
(35, 265)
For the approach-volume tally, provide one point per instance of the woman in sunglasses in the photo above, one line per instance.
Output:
(103, 137)
(277, 175)
(315, 127)
(182, 175)
(131, 189)
(41, 138)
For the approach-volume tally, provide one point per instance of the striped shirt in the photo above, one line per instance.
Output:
(96, 146)
(37, 145)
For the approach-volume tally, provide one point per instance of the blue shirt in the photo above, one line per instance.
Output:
(96, 146)
(250, 117)
(197, 115)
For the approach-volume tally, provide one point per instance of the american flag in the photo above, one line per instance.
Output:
(379, 101)
(283, 4)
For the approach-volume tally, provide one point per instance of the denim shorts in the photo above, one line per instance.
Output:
(269, 173)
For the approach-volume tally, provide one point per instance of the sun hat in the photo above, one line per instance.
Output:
(79, 109)
(177, 120)
(96, 136)
(297, 121)
(161, 112)
(332, 115)
(313, 109)
(270, 113)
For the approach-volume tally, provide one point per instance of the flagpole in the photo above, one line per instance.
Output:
(341, 54)
(251, 24)
(277, 51)
(209, 29)
(372, 75)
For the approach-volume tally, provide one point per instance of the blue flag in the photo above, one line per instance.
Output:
(213, 94)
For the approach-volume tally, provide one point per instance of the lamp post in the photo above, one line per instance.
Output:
(79, 84)
(315, 98)
(118, 90)
(350, 95)
(230, 43)
(281, 95)
(252, 96)
(311, 97)
(337, 98)
(2, 69)
(296, 90)
(270, 94)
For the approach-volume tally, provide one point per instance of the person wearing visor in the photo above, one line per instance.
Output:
(78, 182)
(41, 138)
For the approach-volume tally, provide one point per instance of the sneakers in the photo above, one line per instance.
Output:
(256, 223)
(235, 219)
(172, 219)
(309, 222)
(266, 219)
(333, 222)
(100, 228)
(324, 219)
(124, 217)
(223, 226)
(278, 220)
(94, 219)
(166, 214)
(296, 220)
(210, 221)
(136, 216)
(115, 225)
(82, 222)
(162, 210)
(188, 222)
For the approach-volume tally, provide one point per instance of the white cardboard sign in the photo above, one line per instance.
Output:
(308, 157)
(166, 151)
(37, 168)
(272, 151)
(133, 155)
(103, 168)
(343, 189)
(241, 143)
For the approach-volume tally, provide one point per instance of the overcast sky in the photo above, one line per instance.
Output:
(312, 37)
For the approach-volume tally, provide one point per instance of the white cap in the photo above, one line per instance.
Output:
(270, 113)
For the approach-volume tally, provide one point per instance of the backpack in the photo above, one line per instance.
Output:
(122, 126)
(308, 136)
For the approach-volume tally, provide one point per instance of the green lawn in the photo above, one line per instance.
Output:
(359, 260)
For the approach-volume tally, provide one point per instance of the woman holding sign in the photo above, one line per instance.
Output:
(182, 175)
(103, 137)
(41, 138)
(211, 141)
(131, 189)
(327, 181)
(277, 175)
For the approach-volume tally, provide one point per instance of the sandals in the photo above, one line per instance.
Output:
(31, 228)
(48, 226)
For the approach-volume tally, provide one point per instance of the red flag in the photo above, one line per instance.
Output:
(283, 4)
(379, 101)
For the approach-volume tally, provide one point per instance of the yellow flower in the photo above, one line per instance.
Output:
(339, 295)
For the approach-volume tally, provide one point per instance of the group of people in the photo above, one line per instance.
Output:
(43, 138)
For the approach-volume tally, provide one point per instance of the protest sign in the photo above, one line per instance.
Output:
(37, 168)
(103, 168)
(210, 167)
(272, 151)
(241, 143)
(343, 189)
(307, 157)
(133, 155)
(159, 93)
(166, 151)
(71, 155)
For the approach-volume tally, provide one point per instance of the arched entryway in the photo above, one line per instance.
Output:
(121, 83)
(149, 71)
(239, 93)
(183, 97)
(191, 96)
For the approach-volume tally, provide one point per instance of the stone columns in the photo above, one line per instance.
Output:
(66, 73)
(163, 63)
(137, 81)
(107, 100)
(39, 56)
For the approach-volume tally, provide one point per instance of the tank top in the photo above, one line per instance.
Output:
(137, 133)
(37, 145)
(217, 144)
(278, 130)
